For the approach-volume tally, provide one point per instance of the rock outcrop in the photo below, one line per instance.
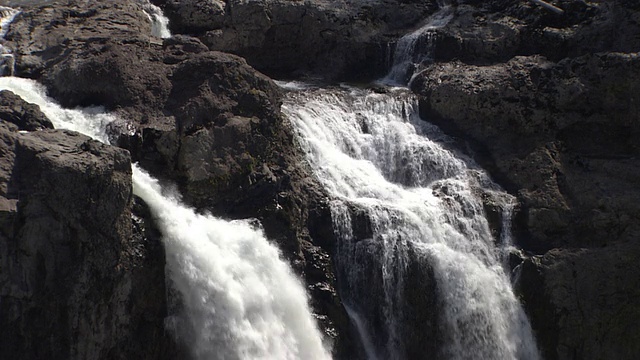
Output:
(203, 120)
(329, 38)
(548, 104)
(80, 278)
(21, 113)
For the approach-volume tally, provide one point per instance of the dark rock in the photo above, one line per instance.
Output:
(332, 38)
(413, 304)
(79, 280)
(560, 136)
(41, 36)
(195, 16)
(495, 31)
(582, 301)
(531, 117)
(201, 119)
(21, 113)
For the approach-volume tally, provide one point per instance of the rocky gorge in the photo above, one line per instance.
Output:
(545, 102)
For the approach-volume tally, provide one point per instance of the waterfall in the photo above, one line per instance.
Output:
(7, 61)
(159, 22)
(7, 15)
(410, 220)
(240, 299)
(416, 48)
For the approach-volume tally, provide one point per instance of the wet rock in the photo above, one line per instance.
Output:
(21, 113)
(79, 279)
(332, 38)
(584, 306)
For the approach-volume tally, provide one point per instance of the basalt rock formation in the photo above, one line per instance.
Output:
(328, 38)
(200, 119)
(548, 103)
(82, 272)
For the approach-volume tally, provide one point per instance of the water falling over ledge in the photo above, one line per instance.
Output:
(417, 264)
(240, 299)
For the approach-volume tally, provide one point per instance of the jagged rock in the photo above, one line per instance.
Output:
(78, 280)
(561, 136)
(21, 113)
(201, 119)
(495, 31)
(549, 134)
(332, 38)
(583, 301)
(41, 36)
(194, 16)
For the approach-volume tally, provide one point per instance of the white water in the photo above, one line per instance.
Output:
(406, 58)
(7, 61)
(159, 22)
(7, 15)
(373, 153)
(240, 299)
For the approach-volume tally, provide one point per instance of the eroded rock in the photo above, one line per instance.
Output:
(21, 113)
(79, 279)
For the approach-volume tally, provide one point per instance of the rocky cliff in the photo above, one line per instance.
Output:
(546, 102)
(82, 273)
(200, 119)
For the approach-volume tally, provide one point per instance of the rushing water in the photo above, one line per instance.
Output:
(416, 48)
(240, 299)
(159, 22)
(401, 196)
(418, 268)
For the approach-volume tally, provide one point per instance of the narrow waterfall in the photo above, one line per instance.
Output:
(417, 265)
(159, 22)
(240, 299)
(416, 47)
(7, 60)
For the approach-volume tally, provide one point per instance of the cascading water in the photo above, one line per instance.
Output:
(418, 268)
(7, 60)
(416, 47)
(401, 199)
(240, 299)
(159, 22)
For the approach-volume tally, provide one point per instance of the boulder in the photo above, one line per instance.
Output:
(484, 32)
(545, 130)
(21, 113)
(80, 279)
(582, 302)
(44, 34)
(195, 16)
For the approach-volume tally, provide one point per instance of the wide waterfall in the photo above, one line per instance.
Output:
(240, 300)
(415, 252)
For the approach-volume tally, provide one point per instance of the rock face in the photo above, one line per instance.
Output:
(550, 134)
(19, 112)
(548, 104)
(201, 119)
(328, 38)
(79, 279)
